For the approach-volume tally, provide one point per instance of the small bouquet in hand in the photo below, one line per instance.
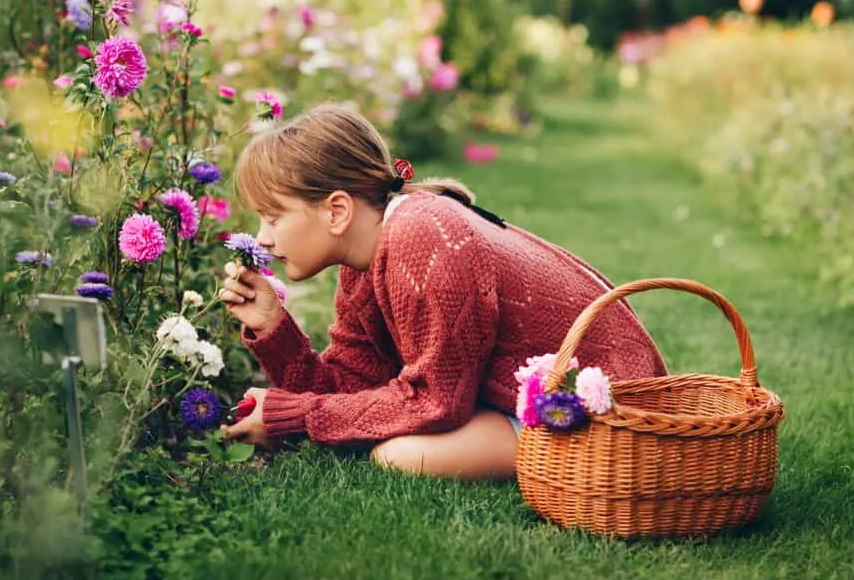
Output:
(567, 407)
(249, 252)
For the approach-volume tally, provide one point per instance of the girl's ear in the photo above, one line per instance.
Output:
(339, 209)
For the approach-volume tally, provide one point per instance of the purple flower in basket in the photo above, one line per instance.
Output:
(200, 409)
(560, 410)
(249, 251)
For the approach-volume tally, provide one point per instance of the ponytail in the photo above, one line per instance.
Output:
(443, 186)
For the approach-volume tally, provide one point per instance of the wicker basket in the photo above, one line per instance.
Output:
(681, 455)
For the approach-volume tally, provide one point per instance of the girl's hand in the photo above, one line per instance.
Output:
(250, 297)
(250, 429)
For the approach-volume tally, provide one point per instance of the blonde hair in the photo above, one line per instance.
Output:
(325, 149)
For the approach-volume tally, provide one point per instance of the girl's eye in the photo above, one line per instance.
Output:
(270, 221)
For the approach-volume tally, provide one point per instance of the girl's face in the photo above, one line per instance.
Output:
(299, 236)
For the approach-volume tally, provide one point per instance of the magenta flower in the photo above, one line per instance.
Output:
(476, 153)
(529, 390)
(307, 15)
(185, 206)
(119, 11)
(121, 67)
(62, 164)
(271, 108)
(192, 29)
(217, 208)
(227, 93)
(445, 78)
(170, 15)
(142, 239)
(83, 51)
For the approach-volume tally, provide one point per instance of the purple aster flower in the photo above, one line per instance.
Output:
(79, 13)
(84, 221)
(34, 258)
(560, 410)
(206, 172)
(187, 210)
(249, 251)
(95, 277)
(95, 290)
(200, 409)
(121, 67)
(7, 178)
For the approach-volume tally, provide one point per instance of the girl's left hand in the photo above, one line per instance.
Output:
(250, 429)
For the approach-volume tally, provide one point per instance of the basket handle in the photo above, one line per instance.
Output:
(573, 338)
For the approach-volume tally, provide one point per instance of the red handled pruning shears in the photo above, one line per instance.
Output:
(240, 411)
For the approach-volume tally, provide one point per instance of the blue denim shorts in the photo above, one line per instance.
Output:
(517, 425)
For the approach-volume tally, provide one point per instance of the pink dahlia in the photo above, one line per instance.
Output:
(121, 67)
(142, 239)
(181, 202)
(593, 386)
(271, 108)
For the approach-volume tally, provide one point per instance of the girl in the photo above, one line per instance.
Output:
(438, 304)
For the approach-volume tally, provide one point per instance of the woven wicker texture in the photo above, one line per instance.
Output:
(681, 455)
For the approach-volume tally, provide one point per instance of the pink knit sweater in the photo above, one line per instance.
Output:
(450, 308)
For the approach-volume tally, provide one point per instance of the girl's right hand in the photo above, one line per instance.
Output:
(250, 297)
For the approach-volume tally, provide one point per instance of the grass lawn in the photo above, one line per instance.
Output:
(596, 183)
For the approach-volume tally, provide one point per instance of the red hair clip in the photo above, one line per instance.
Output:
(404, 169)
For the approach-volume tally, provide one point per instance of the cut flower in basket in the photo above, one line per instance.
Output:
(563, 409)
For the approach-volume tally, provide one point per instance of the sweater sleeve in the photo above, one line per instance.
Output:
(445, 314)
(352, 362)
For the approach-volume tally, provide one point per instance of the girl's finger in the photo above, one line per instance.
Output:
(239, 288)
(231, 270)
(232, 297)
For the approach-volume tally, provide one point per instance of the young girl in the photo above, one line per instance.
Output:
(438, 304)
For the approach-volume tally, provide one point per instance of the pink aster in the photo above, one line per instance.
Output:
(279, 287)
(63, 82)
(529, 389)
(217, 208)
(118, 11)
(183, 203)
(142, 239)
(273, 110)
(227, 92)
(121, 67)
(593, 386)
(192, 29)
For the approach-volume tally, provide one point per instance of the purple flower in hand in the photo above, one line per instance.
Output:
(251, 254)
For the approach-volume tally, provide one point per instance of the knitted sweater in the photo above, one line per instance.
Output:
(450, 308)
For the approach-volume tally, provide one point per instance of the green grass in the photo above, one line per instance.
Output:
(597, 184)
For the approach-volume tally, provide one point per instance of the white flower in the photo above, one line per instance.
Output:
(312, 44)
(176, 329)
(193, 298)
(210, 356)
(594, 387)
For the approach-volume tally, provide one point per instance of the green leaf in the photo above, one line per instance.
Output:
(239, 452)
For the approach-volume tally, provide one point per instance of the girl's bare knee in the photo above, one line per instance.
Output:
(400, 453)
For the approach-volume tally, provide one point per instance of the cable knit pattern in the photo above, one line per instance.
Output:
(449, 310)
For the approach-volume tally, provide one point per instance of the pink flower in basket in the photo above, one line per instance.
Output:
(531, 379)
(594, 387)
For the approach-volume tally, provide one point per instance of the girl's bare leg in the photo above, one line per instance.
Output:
(485, 447)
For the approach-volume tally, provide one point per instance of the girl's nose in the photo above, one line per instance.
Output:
(264, 238)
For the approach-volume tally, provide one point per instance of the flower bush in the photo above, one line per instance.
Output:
(767, 112)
